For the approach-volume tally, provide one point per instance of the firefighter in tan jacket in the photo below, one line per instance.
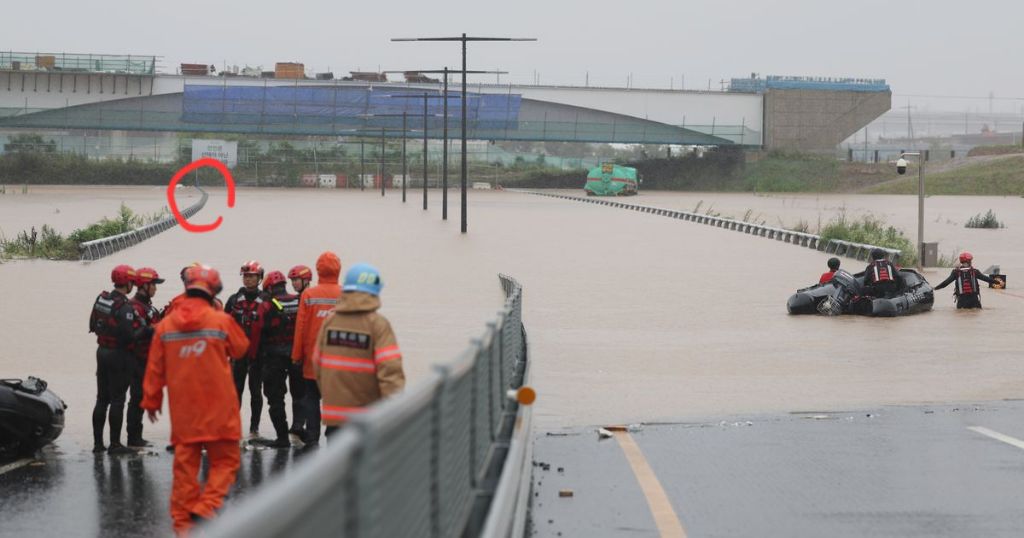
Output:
(357, 360)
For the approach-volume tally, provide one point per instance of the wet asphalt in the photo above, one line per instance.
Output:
(890, 471)
(68, 491)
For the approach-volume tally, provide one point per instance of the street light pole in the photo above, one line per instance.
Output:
(382, 162)
(901, 167)
(425, 150)
(464, 39)
(405, 164)
(444, 150)
(462, 172)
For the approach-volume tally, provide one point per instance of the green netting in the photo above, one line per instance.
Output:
(77, 63)
(639, 132)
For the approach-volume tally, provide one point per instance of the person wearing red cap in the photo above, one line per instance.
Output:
(148, 316)
(244, 307)
(191, 356)
(316, 305)
(967, 293)
(300, 277)
(113, 320)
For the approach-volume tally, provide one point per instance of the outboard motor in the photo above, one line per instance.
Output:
(31, 416)
(845, 287)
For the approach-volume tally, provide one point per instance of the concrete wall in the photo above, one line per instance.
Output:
(33, 91)
(816, 120)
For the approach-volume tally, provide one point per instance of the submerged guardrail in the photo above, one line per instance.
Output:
(859, 251)
(105, 246)
(446, 458)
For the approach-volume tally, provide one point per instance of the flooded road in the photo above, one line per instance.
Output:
(631, 317)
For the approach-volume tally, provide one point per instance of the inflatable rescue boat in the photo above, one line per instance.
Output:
(846, 294)
(31, 416)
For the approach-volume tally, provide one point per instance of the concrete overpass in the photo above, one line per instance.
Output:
(809, 117)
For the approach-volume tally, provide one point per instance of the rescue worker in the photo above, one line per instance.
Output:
(166, 311)
(244, 307)
(276, 333)
(113, 320)
(191, 355)
(833, 266)
(357, 359)
(881, 277)
(967, 292)
(300, 276)
(315, 306)
(146, 280)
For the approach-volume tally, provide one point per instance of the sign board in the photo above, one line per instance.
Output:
(222, 150)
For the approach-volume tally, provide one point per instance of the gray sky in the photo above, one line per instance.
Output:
(937, 47)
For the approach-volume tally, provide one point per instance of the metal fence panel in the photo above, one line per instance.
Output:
(423, 463)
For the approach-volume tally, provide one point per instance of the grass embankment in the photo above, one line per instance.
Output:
(995, 150)
(1000, 177)
(50, 244)
(798, 172)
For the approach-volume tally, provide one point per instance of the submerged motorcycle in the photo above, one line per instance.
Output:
(846, 294)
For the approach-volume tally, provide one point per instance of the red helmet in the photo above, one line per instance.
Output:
(273, 279)
(965, 257)
(203, 278)
(122, 275)
(145, 275)
(300, 271)
(252, 267)
(183, 269)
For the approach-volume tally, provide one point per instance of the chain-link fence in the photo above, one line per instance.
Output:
(425, 463)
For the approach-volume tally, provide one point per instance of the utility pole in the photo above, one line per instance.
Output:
(464, 39)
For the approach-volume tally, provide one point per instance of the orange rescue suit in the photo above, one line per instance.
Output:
(315, 306)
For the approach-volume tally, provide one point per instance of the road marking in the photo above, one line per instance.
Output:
(12, 466)
(665, 516)
(998, 436)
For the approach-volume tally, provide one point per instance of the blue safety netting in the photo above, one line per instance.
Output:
(343, 106)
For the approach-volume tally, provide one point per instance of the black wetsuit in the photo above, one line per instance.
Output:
(967, 292)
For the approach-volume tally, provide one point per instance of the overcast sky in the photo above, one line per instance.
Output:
(937, 47)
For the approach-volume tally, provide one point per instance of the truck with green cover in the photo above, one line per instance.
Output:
(611, 180)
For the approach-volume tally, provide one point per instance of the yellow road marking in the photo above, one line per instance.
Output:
(665, 516)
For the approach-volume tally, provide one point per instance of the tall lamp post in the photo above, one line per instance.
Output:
(444, 135)
(426, 97)
(901, 168)
(464, 39)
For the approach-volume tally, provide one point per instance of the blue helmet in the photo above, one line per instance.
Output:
(363, 277)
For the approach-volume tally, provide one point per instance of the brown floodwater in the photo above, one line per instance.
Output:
(631, 317)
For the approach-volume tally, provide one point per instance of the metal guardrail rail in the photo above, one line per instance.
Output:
(859, 251)
(434, 461)
(105, 246)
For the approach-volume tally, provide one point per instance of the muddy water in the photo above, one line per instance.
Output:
(630, 316)
(65, 208)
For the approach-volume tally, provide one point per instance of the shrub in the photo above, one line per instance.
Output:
(988, 220)
(870, 230)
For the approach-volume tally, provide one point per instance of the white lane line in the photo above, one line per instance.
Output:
(12, 466)
(998, 436)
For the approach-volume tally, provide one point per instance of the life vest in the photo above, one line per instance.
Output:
(244, 311)
(103, 319)
(279, 324)
(966, 281)
(147, 316)
(883, 271)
